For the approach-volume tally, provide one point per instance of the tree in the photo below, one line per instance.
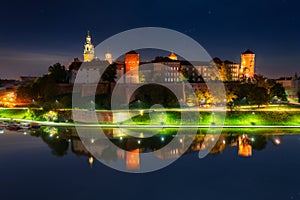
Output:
(58, 73)
(279, 91)
(59, 147)
(183, 74)
(242, 90)
(221, 68)
(258, 96)
(25, 93)
(261, 81)
(109, 75)
(259, 143)
(230, 98)
(47, 88)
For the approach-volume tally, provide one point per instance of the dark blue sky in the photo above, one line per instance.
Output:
(36, 34)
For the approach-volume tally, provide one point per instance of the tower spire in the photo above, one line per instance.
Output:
(88, 52)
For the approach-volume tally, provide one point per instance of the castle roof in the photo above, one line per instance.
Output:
(230, 62)
(132, 52)
(248, 51)
(173, 56)
(163, 59)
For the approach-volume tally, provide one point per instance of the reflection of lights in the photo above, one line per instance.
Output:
(51, 135)
(224, 142)
(162, 139)
(245, 149)
(139, 141)
(180, 140)
(92, 140)
(252, 139)
(277, 141)
(121, 138)
(91, 161)
(48, 129)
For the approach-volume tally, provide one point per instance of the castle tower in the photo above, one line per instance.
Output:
(108, 57)
(88, 52)
(132, 61)
(247, 64)
(173, 56)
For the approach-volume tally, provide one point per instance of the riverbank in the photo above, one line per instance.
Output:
(172, 119)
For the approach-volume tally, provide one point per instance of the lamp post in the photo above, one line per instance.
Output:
(253, 114)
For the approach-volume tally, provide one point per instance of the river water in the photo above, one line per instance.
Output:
(53, 163)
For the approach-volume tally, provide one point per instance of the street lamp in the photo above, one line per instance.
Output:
(253, 123)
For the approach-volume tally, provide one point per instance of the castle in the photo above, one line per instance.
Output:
(162, 69)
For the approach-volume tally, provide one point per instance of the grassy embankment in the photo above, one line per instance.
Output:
(287, 116)
(14, 114)
(236, 118)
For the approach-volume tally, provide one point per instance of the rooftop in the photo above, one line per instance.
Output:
(248, 51)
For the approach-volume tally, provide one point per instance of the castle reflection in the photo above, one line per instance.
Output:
(62, 140)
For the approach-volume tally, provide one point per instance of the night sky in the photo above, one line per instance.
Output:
(37, 34)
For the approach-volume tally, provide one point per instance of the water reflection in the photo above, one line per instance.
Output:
(61, 139)
(245, 149)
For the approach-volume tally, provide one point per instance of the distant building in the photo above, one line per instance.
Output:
(166, 70)
(73, 68)
(291, 85)
(197, 71)
(233, 70)
(89, 71)
(247, 64)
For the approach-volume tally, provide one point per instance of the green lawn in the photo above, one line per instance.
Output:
(13, 113)
(285, 116)
(236, 118)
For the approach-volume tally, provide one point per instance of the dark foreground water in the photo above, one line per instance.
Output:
(49, 165)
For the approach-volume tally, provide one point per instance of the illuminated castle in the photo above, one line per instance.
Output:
(88, 52)
(247, 64)
(165, 69)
